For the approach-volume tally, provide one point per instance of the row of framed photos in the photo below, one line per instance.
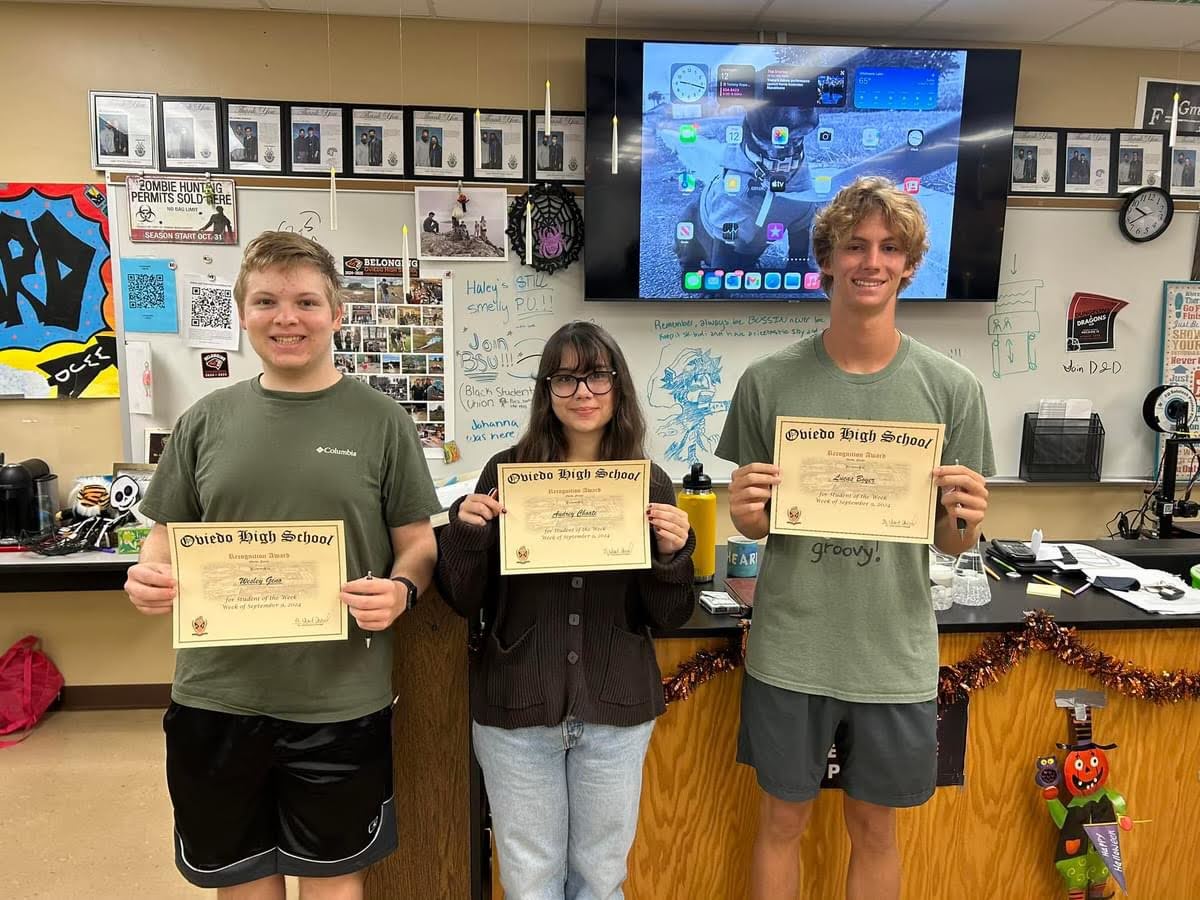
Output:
(136, 131)
(1102, 162)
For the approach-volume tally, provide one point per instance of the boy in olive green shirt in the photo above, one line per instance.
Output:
(844, 643)
(279, 756)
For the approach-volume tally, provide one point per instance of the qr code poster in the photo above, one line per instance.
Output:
(182, 210)
(399, 345)
(148, 295)
(211, 321)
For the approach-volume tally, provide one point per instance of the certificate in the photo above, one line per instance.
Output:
(242, 583)
(847, 479)
(573, 517)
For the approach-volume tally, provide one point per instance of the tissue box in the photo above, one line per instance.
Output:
(130, 537)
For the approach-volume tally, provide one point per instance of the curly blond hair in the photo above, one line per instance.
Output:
(865, 195)
(287, 249)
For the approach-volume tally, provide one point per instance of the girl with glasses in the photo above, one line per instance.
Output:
(565, 687)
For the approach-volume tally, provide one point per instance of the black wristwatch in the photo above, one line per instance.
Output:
(411, 601)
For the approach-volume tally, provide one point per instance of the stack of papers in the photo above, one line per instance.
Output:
(1064, 409)
(1092, 563)
(1146, 598)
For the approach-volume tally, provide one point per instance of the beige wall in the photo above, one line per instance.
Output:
(53, 54)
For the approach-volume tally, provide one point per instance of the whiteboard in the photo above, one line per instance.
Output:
(686, 357)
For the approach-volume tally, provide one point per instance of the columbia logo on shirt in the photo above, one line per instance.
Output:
(337, 451)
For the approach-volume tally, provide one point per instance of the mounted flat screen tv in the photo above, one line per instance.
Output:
(726, 152)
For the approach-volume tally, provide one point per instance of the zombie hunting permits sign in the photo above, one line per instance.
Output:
(182, 210)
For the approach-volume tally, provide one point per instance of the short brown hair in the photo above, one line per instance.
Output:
(287, 249)
(857, 200)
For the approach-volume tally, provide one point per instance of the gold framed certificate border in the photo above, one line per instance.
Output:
(523, 559)
(937, 432)
(191, 631)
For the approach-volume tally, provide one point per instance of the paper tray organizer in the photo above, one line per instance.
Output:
(1061, 449)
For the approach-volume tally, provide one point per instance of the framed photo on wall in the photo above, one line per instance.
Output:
(189, 134)
(557, 156)
(1087, 166)
(1035, 161)
(438, 143)
(377, 141)
(156, 443)
(1183, 158)
(123, 130)
(254, 131)
(500, 145)
(316, 138)
(1140, 158)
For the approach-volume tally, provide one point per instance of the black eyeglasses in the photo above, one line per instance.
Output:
(598, 382)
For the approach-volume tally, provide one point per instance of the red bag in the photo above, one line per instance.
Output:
(29, 682)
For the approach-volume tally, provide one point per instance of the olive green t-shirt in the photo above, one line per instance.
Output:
(850, 619)
(244, 454)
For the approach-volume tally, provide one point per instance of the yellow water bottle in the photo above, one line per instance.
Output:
(700, 503)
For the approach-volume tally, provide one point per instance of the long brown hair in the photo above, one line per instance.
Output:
(625, 434)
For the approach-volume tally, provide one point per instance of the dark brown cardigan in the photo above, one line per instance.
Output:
(563, 644)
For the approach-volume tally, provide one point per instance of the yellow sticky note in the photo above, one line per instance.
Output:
(1037, 589)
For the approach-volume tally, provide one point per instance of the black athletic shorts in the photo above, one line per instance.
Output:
(256, 796)
(887, 751)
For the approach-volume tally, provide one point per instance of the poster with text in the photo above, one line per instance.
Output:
(1181, 350)
(500, 146)
(315, 133)
(377, 136)
(1183, 165)
(1156, 105)
(1089, 165)
(189, 132)
(1139, 160)
(438, 143)
(57, 310)
(123, 131)
(210, 321)
(1034, 162)
(254, 136)
(148, 296)
(181, 209)
(558, 156)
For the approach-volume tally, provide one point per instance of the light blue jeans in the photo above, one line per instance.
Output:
(564, 806)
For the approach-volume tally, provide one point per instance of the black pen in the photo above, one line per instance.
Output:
(959, 521)
(367, 639)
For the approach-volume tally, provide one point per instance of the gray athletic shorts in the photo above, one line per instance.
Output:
(887, 751)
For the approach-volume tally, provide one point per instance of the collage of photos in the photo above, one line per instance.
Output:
(399, 348)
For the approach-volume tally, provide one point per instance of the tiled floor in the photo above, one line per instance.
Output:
(84, 812)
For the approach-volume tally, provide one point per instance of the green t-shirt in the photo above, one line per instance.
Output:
(842, 618)
(245, 453)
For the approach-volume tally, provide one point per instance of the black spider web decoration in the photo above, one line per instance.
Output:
(557, 224)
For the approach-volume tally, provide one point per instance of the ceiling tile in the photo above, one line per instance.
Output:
(1015, 20)
(541, 12)
(388, 8)
(682, 14)
(1138, 24)
(873, 18)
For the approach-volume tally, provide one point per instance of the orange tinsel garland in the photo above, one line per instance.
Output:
(993, 659)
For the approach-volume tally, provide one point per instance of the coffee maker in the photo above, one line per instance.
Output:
(19, 507)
